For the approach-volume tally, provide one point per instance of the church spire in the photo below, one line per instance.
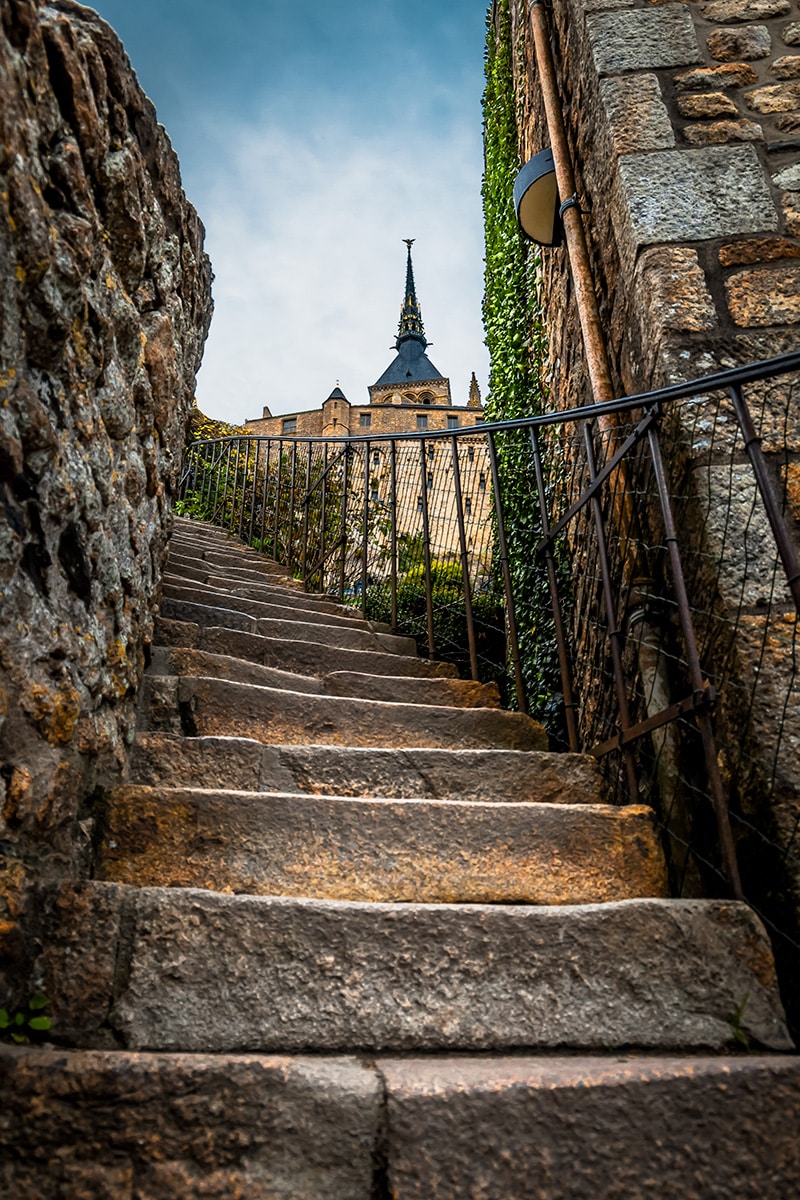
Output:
(410, 314)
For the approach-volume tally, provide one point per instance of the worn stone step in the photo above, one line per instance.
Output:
(582, 1128)
(457, 693)
(179, 660)
(492, 776)
(340, 636)
(247, 583)
(308, 658)
(336, 848)
(432, 1127)
(461, 693)
(285, 606)
(271, 715)
(181, 558)
(185, 969)
(185, 1126)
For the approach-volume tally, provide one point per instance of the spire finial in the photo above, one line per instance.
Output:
(410, 312)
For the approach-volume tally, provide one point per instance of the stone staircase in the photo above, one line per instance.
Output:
(352, 932)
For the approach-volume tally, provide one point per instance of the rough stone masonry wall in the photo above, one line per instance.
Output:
(684, 124)
(104, 308)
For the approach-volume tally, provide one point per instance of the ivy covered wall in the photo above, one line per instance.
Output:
(515, 336)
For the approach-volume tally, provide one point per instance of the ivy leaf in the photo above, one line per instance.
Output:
(37, 1002)
(40, 1024)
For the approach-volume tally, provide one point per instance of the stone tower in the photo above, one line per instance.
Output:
(411, 378)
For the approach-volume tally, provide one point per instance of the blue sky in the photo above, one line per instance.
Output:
(313, 137)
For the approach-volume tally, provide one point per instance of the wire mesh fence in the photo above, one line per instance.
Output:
(627, 572)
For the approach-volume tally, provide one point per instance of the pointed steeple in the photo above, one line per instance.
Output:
(410, 314)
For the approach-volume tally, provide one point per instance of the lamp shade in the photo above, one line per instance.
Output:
(536, 199)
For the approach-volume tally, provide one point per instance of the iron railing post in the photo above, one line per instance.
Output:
(505, 568)
(365, 529)
(614, 630)
(292, 490)
(306, 506)
(462, 541)
(426, 547)
(555, 601)
(343, 557)
(393, 542)
(772, 506)
(702, 717)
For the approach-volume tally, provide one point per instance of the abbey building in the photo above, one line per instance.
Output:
(410, 396)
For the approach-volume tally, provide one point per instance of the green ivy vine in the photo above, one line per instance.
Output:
(516, 338)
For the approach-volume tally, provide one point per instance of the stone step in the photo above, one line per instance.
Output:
(336, 848)
(182, 559)
(285, 606)
(271, 715)
(342, 637)
(194, 970)
(456, 693)
(303, 1127)
(490, 776)
(257, 588)
(583, 1128)
(307, 658)
(187, 1126)
(178, 660)
(460, 693)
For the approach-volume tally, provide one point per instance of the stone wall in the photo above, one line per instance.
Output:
(104, 308)
(682, 120)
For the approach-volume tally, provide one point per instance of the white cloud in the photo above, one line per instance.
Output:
(304, 234)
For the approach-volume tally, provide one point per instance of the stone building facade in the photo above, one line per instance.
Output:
(410, 396)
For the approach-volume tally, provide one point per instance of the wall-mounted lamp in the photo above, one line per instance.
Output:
(536, 199)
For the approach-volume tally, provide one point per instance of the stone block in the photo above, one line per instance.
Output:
(339, 976)
(736, 535)
(693, 195)
(733, 11)
(644, 40)
(90, 1123)
(637, 116)
(787, 67)
(719, 132)
(770, 296)
(672, 292)
(788, 178)
(169, 760)
(580, 1129)
(788, 122)
(706, 104)
(791, 34)
(774, 98)
(729, 75)
(747, 43)
(790, 206)
(768, 650)
(337, 848)
(496, 776)
(221, 707)
(757, 250)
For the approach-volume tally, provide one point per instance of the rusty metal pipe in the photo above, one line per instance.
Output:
(577, 250)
